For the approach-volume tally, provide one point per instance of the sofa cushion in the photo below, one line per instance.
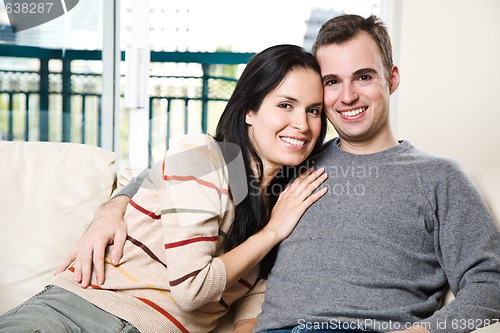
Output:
(50, 192)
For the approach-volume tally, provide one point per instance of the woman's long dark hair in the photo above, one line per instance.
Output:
(263, 73)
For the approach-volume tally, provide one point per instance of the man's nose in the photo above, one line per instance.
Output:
(349, 94)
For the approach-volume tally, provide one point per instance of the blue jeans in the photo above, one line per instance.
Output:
(302, 329)
(58, 310)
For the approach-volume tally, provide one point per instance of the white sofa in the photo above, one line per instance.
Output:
(49, 193)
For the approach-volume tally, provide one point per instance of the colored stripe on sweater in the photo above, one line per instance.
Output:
(174, 283)
(222, 233)
(190, 241)
(144, 210)
(224, 304)
(245, 283)
(148, 302)
(186, 210)
(204, 149)
(123, 272)
(199, 181)
(148, 285)
(165, 313)
(145, 249)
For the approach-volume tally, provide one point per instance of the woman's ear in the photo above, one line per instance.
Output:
(248, 118)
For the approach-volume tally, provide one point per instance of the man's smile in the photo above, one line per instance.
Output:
(353, 113)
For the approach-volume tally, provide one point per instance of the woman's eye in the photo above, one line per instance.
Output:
(314, 111)
(285, 106)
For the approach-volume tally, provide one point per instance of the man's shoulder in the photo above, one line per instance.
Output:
(434, 169)
(433, 161)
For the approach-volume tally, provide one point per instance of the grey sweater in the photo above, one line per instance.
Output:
(378, 250)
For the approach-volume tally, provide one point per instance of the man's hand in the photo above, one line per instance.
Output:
(416, 329)
(107, 227)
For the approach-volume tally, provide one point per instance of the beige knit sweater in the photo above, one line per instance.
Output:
(169, 278)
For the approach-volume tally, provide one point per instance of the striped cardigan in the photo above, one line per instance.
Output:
(170, 278)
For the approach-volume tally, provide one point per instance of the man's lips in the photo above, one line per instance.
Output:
(353, 113)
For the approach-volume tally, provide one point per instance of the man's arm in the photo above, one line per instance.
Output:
(107, 228)
(133, 186)
(467, 247)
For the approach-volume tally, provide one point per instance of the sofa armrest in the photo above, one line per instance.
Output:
(50, 192)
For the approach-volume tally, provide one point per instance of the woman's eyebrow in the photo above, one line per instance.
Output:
(293, 99)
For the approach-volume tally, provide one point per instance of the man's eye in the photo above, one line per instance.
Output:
(330, 82)
(365, 77)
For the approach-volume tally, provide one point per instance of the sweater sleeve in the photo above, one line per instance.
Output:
(250, 305)
(193, 202)
(133, 186)
(468, 247)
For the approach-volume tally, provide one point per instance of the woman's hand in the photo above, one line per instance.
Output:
(107, 227)
(293, 202)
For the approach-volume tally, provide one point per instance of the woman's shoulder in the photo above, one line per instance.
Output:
(192, 140)
(194, 144)
(193, 152)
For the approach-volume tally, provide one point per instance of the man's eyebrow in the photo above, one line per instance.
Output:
(361, 71)
(329, 77)
(365, 71)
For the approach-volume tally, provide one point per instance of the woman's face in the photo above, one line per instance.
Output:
(285, 128)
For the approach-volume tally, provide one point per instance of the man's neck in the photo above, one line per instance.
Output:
(370, 146)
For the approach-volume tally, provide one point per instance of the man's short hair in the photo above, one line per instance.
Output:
(343, 28)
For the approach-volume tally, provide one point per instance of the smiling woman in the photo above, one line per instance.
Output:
(191, 249)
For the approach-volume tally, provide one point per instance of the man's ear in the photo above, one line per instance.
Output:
(393, 79)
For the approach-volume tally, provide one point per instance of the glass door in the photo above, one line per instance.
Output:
(54, 71)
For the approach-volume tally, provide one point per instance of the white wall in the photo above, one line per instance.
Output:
(448, 102)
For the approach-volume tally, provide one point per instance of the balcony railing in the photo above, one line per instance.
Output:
(54, 102)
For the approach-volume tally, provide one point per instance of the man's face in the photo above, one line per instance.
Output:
(357, 89)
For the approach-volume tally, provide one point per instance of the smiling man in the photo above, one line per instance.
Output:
(376, 253)
(357, 90)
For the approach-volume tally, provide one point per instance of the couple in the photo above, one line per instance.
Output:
(378, 239)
